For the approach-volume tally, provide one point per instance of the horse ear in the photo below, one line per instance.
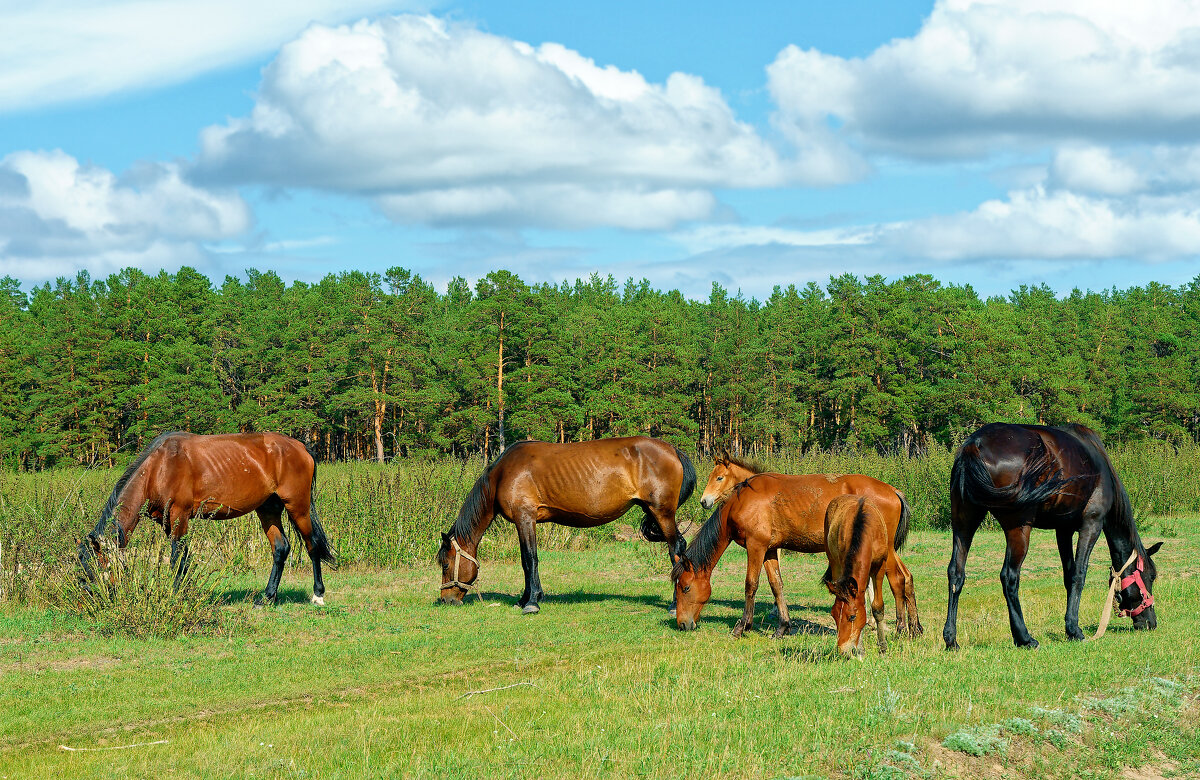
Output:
(445, 536)
(1153, 549)
(722, 456)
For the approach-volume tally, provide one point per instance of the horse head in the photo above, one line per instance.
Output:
(460, 569)
(721, 481)
(1135, 596)
(693, 589)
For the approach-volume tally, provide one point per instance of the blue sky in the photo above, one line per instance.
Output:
(990, 143)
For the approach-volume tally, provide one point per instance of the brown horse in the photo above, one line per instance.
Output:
(1034, 476)
(859, 551)
(180, 476)
(580, 485)
(770, 512)
(727, 472)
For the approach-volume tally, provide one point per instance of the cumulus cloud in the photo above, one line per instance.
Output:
(981, 72)
(446, 124)
(57, 216)
(52, 51)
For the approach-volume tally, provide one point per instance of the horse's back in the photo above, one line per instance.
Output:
(594, 481)
(848, 516)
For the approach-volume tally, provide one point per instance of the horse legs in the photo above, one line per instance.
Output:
(877, 609)
(675, 541)
(272, 525)
(894, 571)
(1089, 532)
(915, 629)
(298, 512)
(755, 558)
(964, 521)
(527, 534)
(1010, 577)
(776, 581)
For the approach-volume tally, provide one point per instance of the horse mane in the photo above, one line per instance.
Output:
(746, 463)
(699, 553)
(114, 500)
(1122, 509)
(847, 587)
(473, 508)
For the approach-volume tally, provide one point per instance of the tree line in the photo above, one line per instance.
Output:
(364, 365)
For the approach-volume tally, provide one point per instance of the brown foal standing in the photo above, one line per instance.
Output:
(856, 543)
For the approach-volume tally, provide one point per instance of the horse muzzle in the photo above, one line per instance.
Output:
(451, 599)
(686, 624)
(1146, 621)
(706, 502)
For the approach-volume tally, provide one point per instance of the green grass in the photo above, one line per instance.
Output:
(374, 684)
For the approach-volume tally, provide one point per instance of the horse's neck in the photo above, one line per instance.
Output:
(471, 543)
(1122, 540)
(130, 500)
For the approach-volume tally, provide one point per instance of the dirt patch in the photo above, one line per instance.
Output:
(94, 663)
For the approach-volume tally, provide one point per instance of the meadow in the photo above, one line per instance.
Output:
(381, 682)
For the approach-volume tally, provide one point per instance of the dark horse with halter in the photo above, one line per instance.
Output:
(580, 485)
(1033, 476)
(180, 476)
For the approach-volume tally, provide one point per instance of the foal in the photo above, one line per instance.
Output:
(856, 542)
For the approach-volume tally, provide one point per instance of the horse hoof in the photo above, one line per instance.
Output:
(318, 600)
(952, 646)
(530, 609)
(1032, 644)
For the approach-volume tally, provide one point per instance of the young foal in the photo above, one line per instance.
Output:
(770, 512)
(856, 542)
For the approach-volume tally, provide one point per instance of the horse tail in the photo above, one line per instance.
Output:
(689, 477)
(320, 542)
(1040, 478)
(902, 526)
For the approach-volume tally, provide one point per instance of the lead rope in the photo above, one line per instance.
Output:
(459, 554)
(1106, 615)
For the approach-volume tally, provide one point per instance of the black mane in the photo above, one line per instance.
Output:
(114, 500)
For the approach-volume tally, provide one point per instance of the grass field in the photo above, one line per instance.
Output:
(376, 683)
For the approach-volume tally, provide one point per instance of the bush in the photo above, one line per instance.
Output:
(140, 595)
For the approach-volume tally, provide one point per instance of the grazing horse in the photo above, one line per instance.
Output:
(581, 485)
(856, 542)
(1033, 476)
(180, 476)
(770, 512)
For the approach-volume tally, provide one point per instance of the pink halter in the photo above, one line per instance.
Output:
(1136, 578)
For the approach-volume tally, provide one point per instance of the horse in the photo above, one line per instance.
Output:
(727, 472)
(1060, 478)
(580, 485)
(180, 476)
(770, 512)
(856, 542)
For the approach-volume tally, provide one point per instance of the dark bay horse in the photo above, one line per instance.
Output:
(580, 485)
(180, 476)
(1033, 476)
(859, 548)
(770, 512)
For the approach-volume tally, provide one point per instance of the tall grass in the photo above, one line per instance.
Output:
(142, 595)
(393, 514)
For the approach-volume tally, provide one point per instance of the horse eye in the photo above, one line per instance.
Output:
(687, 588)
(720, 479)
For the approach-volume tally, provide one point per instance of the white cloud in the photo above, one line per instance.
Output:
(1030, 224)
(57, 216)
(981, 73)
(52, 51)
(1094, 169)
(446, 124)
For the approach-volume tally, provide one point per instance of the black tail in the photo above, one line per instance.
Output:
(902, 526)
(650, 530)
(689, 477)
(1040, 478)
(320, 542)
